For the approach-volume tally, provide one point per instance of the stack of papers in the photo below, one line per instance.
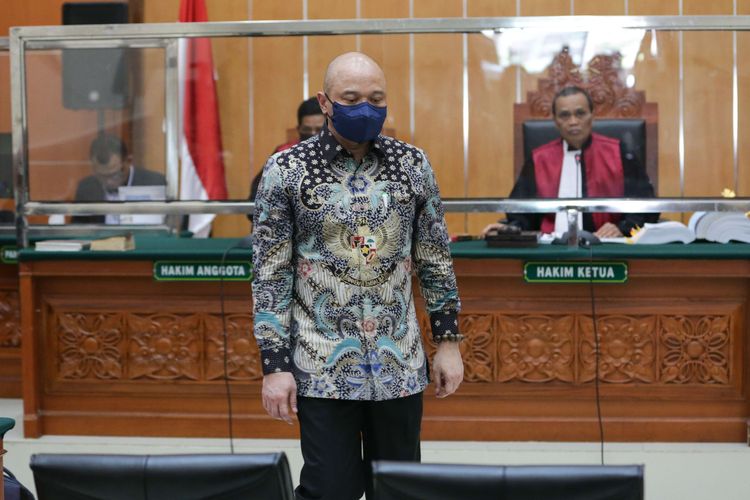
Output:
(113, 243)
(62, 245)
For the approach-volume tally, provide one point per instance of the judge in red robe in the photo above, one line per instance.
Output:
(581, 164)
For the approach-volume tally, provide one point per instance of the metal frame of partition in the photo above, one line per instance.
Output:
(168, 35)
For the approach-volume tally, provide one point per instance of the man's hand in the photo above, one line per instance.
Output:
(608, 230)
(447, 369)
(279, 395)
(493, 226)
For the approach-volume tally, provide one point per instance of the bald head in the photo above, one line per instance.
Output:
(352, 66)
(353, 79)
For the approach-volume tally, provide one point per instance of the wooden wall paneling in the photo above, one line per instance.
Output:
(651, 8)
(10, 332)
(492, 92)
(659, 76)
(708, 119)
(25, 13)
(149, 148)
(438, 129)
(58, 138)
(323, 49)
(58, 143)
(599, 7)
(539, 8)
(231, 56)
(149, 136)
(743, 79)
(5, 110)
(276, 70)
(392, 53)
(545, 8)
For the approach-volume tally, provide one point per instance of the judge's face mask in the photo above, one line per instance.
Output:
(358, 122)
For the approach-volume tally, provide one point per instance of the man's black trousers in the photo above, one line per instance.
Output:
(340, 438)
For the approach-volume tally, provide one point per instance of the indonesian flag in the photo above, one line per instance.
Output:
(202, 167)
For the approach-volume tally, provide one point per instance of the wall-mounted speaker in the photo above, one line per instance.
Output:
(95, 78)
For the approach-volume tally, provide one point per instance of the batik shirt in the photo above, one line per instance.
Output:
(334, 245)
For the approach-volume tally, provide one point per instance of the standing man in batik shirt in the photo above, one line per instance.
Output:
(341, 221)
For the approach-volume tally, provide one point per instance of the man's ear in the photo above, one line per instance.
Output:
(324, 103)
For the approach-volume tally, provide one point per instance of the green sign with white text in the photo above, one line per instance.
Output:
(575, 272)
(9, 254)
(202, 271)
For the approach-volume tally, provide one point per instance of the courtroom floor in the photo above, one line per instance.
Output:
(683, 471)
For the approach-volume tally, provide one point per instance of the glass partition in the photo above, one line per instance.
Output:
(463, 91)
(6, 160)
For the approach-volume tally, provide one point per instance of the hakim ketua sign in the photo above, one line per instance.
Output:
(575, 272)
(202, 271)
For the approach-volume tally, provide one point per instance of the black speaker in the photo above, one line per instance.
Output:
(95, 78)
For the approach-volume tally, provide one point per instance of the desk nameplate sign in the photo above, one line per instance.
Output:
(202, 271)
(9, 254)
(575, 272)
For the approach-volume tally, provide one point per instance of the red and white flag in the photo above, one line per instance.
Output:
(201, 163)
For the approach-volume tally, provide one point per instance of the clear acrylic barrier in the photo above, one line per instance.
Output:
(461, 94)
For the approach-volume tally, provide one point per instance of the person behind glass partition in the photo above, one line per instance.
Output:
(310, 121)
(113, 169)
(581, 164)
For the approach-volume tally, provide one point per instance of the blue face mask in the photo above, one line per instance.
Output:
(359, 122)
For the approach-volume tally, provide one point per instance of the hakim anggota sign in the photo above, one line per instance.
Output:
(575, 272)
(202, 271)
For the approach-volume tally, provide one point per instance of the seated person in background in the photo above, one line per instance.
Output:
(113, 168)
(581, 164)
(310, 121)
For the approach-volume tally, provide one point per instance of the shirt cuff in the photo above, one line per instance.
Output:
(443, 324)
(276, 360)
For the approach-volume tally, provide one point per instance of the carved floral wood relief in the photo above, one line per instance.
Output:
(499, 347)
(107, 346)
(637, 349)
(601, 78)
(90, 345)
(536, 348)
(243, 358)
(164, 346)
(696, 349)
(627, 346)
(10, 320)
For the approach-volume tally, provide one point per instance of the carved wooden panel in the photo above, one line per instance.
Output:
(525, 348)
(10, 319)
(478, 349)
(635, 349)
(164, 346)
(627, 347)
(696, 349)
(90, 345)
(536, 348)
(243, 358)
(602, 79)
(93, 345)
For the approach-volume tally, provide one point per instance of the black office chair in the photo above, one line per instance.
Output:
(6, 424)
(415, 481)
(162, 477)
(631, 132)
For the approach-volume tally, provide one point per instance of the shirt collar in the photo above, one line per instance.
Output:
(584, 146)
(330, 147)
